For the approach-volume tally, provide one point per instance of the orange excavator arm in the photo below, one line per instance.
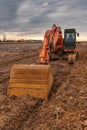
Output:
(53, 36)
(44, 56)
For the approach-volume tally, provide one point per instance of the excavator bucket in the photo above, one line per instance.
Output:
(34, 80)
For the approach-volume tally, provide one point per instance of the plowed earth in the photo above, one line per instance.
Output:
(66, 108)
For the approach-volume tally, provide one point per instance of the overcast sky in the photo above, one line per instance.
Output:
(31, 18)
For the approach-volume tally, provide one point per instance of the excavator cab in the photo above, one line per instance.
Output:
(69, 39)
(70, 44)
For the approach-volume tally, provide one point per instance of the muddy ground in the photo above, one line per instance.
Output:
(66, 108)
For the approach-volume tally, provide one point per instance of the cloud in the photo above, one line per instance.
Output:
(33, 17)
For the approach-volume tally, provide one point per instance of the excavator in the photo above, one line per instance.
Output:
(55, 47)
(36, 79)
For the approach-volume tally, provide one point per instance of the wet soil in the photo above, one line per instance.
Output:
(66, 108)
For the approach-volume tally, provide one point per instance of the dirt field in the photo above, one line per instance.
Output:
(66, 108)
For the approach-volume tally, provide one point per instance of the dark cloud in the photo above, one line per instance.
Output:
(8, 10)
(35, 16)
